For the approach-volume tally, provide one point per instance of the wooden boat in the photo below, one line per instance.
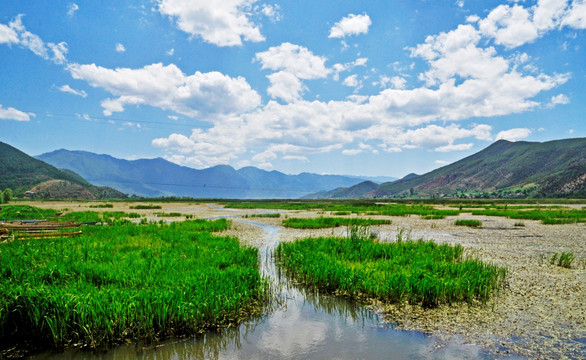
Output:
(41, 225)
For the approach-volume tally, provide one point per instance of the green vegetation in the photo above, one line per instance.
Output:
(146, 207)
(127, 282)
(419, 272)
(546, 214)
(5, 196)
(271, 215)
(102, 206)
(171, 214)
(25, 212)
(564, 259)
(548, 169)
(350, 207)
(469, 223)
(322, 222)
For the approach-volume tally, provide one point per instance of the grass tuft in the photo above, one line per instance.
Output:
(419, 272)
(469, 223)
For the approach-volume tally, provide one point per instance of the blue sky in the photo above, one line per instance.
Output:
(339, 87)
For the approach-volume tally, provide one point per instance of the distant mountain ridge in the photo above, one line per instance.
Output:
(21, 173)
(553, 168)
(159, 177)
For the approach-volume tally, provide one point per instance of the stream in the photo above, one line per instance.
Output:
(300, 325)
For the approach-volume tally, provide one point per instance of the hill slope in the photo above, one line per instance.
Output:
(22, 172)
(352, 192)
(554, 168)
(159, 177)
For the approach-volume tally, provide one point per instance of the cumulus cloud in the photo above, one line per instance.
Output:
(70, 90)
(291, 63)
(350, 25)
(14, 114)
(120, 48)
(515, 25)
(294, 59)
(222, 23)
(513, 134)
(272, 12)
(168, 88)
(16, 33)
(560, 99)
(286, 86)
(465, 78)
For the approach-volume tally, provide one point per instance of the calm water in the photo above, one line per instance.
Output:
(301, 325)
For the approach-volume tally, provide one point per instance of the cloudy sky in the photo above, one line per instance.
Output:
(340, 87)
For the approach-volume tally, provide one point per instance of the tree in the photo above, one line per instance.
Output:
(7, 195)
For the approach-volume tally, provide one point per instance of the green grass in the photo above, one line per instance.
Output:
(324, 222)
(171, 214)
(25, 212)
(127, 282)
(271, 215)
(564, 259)
(419, 272)
(469, 223)
(146, 207)
(546, 214)
(102, 206)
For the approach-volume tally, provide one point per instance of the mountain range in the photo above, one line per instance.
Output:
(503, 169)
(159, 177)
(21, 173)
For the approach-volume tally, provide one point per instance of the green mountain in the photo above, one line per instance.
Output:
(21, 172)
(553, 168)
(352, 192)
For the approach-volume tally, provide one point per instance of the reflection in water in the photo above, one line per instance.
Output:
(300, 324)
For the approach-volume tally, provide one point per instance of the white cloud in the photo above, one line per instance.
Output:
(466, 78)
(441, 162)
(71, 9)
(120, 48)
(454, 147)
(68, 89)
(272, 12)
(396, 82)
(351, 81)
(291, 63)
(168, 88)
(513, 134)
(513, 26)
(16, 33)
(338, 68)
(351, 152)
(560, 99)
(170, 52)
(294, 59)
(350, 25)
(222, 23)
(8, 35)
(14, 114)
(285, 86)
(575, 17)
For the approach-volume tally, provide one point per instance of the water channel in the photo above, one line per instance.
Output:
(300, 325)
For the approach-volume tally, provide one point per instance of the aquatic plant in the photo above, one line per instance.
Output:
(469, 223)
(324, 222)
(564, 259)
(416, 271)
(127, 282)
